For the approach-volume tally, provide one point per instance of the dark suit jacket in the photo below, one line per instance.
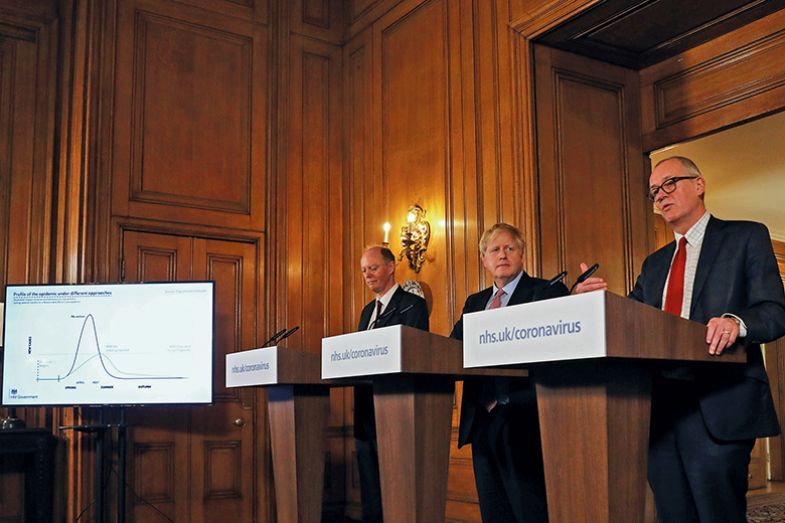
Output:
(528, 289)
(737, 273)
(404, 308)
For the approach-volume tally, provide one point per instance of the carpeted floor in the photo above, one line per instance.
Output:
(767, 505)
(774, 513)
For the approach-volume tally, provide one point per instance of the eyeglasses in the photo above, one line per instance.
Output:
(668, 186)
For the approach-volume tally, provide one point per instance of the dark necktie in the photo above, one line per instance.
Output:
(675, 294)
(378, 313)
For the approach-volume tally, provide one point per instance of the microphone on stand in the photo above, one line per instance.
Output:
(550, 283)
(288, 333)
(556, 279)
(585, 276)
(274, 337)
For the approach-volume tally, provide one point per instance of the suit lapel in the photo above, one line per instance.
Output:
(391, 310)
(524, 291)
(661, 271)
(482, 299)
(365, 316)
(712, 241)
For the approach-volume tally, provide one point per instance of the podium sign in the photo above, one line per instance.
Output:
(566, 328)
(364, 353)
(252, 367)
(298, 403)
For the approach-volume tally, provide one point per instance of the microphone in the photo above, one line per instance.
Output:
(556, 279)
(274, 337)
(406, 309)
(289, 333)
(585, 276)
(550, 283)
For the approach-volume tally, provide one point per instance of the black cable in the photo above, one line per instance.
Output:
(88, 507)
(137, 497)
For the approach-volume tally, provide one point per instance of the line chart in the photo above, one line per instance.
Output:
(102, 358)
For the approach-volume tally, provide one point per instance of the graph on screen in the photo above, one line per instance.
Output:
(108, 344)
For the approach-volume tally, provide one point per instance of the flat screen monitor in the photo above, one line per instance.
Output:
(104, 344)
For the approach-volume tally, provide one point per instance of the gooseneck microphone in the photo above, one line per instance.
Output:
(556, 279)
(585, 276)
(289, 333)
(548, 284)
(274, 337)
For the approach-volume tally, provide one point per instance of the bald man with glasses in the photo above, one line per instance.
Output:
(705, 418)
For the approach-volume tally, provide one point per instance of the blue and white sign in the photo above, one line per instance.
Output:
(567, 328)
(364, 353)
(252, 367)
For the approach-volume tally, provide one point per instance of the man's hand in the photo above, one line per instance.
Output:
(594, 283)
(721, 333)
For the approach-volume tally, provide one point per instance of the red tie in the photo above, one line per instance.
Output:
(675, 295)
(497, 299)
(490, 387)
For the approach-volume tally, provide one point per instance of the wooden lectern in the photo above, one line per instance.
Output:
(298, 403)
(413, 392)
(594, 403)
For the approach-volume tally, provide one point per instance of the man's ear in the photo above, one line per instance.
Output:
(700, 185)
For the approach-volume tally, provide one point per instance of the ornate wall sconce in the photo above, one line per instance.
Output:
(415, 237)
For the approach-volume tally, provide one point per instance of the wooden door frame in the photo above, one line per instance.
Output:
(749, 102)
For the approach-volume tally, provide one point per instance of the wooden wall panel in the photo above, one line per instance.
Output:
(177, 68)
(320, 19)
(312, 194)
(592, 176)
(7, 55)
(28, 74)
(362, 198)
(27, 125)
(730, 79)
(252, 10)
(775, 367)
(360, 14)
(309, 214)
(177, 156)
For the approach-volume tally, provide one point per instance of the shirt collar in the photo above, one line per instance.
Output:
(387, 296)
(696, 232)
(510, 287)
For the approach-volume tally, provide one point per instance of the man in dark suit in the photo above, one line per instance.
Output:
(705, 418)
(499, 416)
(392, 306)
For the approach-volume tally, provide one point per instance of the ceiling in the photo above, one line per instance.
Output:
(744, 168)
(639, 33)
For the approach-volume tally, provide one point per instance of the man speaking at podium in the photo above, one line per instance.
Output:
(392, 306)
(705, 418)
(499, 415)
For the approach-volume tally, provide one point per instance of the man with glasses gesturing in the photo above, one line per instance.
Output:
(705, 418)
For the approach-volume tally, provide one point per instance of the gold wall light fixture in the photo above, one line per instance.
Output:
(415, 237)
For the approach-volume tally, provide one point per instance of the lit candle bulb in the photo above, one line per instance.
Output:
(386, 228)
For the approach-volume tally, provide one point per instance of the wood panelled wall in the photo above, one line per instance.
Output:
(263, 143)
(733, 78)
